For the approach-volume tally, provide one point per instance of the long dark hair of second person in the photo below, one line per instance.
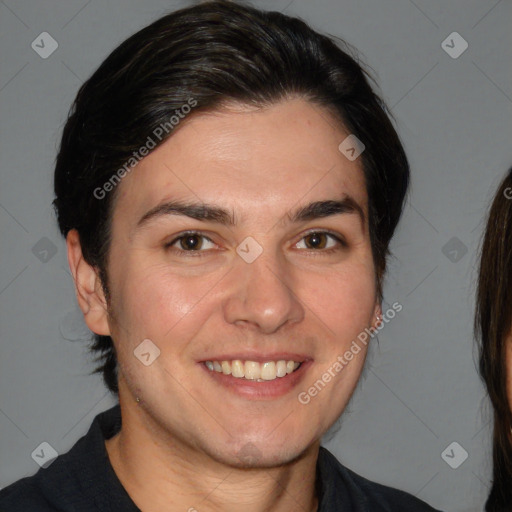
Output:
(493, 324)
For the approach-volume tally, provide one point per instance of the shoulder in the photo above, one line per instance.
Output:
(388, 498)
(343, 485)
(57, 487)
(24, 495)
(76, 480)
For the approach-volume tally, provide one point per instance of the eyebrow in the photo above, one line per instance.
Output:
(322, 209)
(206, 212)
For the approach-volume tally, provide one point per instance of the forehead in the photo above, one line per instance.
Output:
(265, 160)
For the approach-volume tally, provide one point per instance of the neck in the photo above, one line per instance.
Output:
(160, 474)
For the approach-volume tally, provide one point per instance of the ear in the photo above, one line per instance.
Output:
(89, 291)
(377, 315)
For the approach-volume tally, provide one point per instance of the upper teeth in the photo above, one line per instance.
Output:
(253, 370)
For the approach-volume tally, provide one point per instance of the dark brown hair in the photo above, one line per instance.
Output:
(493, 324)
(215, 52)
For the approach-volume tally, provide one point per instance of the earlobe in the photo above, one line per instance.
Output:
(89, 291)
(377, 315)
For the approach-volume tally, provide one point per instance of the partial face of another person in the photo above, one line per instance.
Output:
(508, 357)
(280, 269)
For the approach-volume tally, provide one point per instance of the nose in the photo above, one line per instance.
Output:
(262, 295)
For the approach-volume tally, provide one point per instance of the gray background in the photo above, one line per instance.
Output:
(421, 391)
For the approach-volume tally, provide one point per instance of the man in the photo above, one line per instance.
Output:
(228, 184)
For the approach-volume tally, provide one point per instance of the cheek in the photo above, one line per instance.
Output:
(343, 304)
(166, 308)
(509, 370)
(343, 299)
(152, 302)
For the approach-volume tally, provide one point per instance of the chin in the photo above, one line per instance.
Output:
(260, 454)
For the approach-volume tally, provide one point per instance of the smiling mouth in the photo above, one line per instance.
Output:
(253, 370)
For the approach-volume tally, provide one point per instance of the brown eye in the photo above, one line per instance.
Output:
(321, 241)
(191, 242)
(316, 240)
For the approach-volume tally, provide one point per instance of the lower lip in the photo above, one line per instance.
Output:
(260, 390)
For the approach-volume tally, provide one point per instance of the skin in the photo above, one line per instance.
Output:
(508, 364)
(179, 447)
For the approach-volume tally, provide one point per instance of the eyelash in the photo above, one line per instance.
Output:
(342, 244)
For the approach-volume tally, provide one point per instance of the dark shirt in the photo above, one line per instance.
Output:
(83, 480)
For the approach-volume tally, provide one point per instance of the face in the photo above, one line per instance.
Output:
(508, 364)
(241, 244)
